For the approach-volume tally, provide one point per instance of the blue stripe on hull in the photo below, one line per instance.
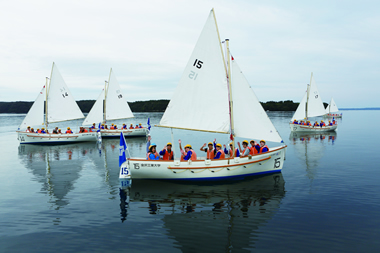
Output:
(238, 177)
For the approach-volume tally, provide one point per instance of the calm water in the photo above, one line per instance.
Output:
(69, 198)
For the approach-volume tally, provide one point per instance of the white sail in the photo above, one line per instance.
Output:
(250, 119)
(301, 109)
(35, 115)
(96, 113)
(116, 105)
(314, 105)
(332, 106)
(200, 101)
(327, 109)
(61, 103)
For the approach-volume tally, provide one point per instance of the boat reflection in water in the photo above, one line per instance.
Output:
(56, 168)
(201, 217)
(310, 148)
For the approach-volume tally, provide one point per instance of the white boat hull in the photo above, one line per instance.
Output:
(37, 138)
(115, 133)
(269, 162)
(311, 129)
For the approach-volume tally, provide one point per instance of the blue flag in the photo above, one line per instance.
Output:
(98, 128)
(149, 124)
(122, 148)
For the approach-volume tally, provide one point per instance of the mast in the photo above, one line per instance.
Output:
(47, 95)
(230, 97)
(220, 43)
(308, 93)
(105, 97)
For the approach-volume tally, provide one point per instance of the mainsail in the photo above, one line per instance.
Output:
(332, 107)
(116, 107)
(311, 104)
(201, 99)
(314, 104)
(61, 104)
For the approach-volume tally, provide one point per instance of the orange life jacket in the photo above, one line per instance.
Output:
(193, 155)
(210, 154)
(112, 127)
(131, 127)
(85, 130)
(253, 150)
(147, 155)
(222, 155)
(69, 132)
(167, 155)
(242, 153)
(39, 131)
(261, 149)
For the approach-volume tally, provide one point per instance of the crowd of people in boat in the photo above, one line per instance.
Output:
(56, 130)
(316, 124)
(93, 128)
(213, 151)
(114, 126)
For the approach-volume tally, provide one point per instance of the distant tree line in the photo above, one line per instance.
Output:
(141, 106)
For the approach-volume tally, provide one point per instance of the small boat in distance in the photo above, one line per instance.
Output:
(310, 106)
(111, 105)
(60, 106)
(332, 110)
(209, 76)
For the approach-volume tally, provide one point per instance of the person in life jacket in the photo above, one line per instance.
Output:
(188, 153)
(92, 127)
(330, 124)
(295, 122)
(42, 131)
(255, 148)
(68, 131)
(229, 151)
(322, 123)
(38, 130)
(140, 126)
(219, 152)
(316, 124)
(59, 131)
(245, 151)
(102, 126)
(124, 126)
(112, 127)
(167, 152)
(263, 148)
(131, 127)
(333, 121)
(32, 130)
(28, 129)
(211, 151)
(152, 154)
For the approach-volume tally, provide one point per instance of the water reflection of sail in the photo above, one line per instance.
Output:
(107, 165)
(310, 147)
(217, 217)
(57, 168)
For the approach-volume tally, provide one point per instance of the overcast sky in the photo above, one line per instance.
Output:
(277, 44)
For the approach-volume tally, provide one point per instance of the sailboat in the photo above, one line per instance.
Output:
(236, 111)
(60, 106)
(310, 106)
(332, 110)
(111, 105)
